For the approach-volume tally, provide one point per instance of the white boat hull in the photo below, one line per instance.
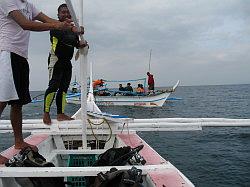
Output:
(119, 100)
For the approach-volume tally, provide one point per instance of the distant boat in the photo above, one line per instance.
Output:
(114, 97)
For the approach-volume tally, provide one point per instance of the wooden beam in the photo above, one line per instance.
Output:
(71, 171)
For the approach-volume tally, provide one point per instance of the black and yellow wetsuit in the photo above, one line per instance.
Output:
(60, 68)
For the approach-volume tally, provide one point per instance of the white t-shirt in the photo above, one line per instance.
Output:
(12, 37)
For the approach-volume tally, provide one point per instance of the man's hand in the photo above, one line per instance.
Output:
(81, 30)
(83, 44)
(65, 25)
(78, 31)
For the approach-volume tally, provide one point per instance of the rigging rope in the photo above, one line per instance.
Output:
(126, 80)
(98, 124)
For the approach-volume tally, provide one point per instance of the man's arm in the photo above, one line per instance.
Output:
(45, 19)
(38, 26)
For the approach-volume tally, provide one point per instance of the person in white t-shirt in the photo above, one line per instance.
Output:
(17, 19)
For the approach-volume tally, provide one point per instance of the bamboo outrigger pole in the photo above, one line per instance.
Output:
(83, 71)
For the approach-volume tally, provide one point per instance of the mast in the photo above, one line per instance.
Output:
(149, 62)
(83, 71)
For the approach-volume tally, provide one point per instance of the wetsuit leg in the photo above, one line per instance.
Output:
(63, 88)
(54, 84)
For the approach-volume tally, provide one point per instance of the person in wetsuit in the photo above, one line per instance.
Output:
(60, 67)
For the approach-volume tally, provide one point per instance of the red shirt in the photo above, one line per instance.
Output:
(150, 79)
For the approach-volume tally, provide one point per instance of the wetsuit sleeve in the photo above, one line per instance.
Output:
(55, 38)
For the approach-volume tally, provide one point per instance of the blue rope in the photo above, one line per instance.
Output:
(132, 80)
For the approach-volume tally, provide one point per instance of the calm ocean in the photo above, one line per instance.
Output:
(211, 157)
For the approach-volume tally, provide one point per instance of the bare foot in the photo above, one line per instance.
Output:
(3, 160)
(63, 117)
(46, 118)
(25, 145)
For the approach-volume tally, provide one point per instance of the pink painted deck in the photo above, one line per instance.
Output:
(168, 178)
(150, 155)
(33, 140)
(164, 178)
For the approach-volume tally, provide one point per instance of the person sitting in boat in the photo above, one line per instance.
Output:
(98, 83)
(121, 90)
(140, 90)
(103, 93)
(75, 88)
(129, 90)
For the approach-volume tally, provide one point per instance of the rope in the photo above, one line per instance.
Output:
(132, 80)
(128, 132)
(98, 124)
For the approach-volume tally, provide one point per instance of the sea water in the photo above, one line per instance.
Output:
(212, 157)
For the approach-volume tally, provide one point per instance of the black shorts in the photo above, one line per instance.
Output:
(20, 69)
(151, 87)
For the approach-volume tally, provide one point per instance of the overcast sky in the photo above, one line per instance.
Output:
(199, 42)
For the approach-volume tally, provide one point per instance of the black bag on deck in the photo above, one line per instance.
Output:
(114, 157)
(29, 158)
(119, 178)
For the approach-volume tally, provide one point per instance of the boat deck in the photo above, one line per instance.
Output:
(159, 171)
(167, 177)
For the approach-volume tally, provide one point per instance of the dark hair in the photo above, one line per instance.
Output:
(61, 6)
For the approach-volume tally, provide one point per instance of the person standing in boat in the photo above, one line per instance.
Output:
(17, 19)
(151, 83)
(63, 43)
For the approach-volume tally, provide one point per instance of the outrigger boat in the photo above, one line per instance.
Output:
(91, 134)
(61, 141)
(113, 97)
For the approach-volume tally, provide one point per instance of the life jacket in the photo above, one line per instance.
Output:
(139, 90)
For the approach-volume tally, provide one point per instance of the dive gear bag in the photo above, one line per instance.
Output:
(119, 178)
(29, 158)
(118, 156)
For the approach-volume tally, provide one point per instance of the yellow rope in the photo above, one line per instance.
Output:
(97, 124)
